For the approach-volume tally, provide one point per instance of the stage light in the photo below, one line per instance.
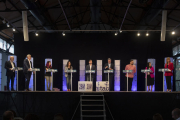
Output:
(138, 34)
(36, 34)
(116, 33)
(173, 32)
(8, 25)
(120, 31)
(13, 29)
(147, 34)
(63, 33)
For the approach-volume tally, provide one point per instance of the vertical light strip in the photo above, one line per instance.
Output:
(165, 86)
(153, 63)
(0, 70)
(81, 70)
(15, 61)
(31, 87)
(99, 70)
(117, 75)
(47, 59)
(134, 83)
(64, 87)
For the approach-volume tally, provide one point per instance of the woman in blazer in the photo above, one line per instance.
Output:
(48, 76)
(168, 75)
(68, 75)
(150, 77)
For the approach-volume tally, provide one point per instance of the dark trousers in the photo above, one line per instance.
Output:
(129, 84)
(27, 79)
(168, 82)
(12, 82)
(111, 85)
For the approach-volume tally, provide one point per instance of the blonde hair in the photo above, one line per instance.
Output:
(168, 58)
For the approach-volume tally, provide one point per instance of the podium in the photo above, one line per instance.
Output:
(108, 71)
(71, 71)
(90, 72)
(127, 71)
(164, 70)
(146, 71)
(17, 69)
(34, 70)
(52, 71)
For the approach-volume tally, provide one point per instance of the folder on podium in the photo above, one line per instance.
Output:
(127, 71)
(52, 71)
(71, 71)
(163, 70)
(34, 70)
(146, 71)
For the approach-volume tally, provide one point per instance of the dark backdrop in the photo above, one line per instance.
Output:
(77, 46)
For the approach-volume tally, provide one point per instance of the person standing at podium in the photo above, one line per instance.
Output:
(68, 75)
(132, 67)
(150, 77)
(90, 67)
(168, 75)
(48, 76)
(27, 66)
(10, 73)
(109, 66)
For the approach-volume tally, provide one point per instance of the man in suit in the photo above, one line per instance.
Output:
(10, 72)
(90, 67)
(27, 66)
(109, 66)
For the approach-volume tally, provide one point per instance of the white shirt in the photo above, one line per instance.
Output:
(29, 63)
(12, 64)
(90, 66)
(109, 65)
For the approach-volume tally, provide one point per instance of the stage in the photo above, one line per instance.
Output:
(122, 105)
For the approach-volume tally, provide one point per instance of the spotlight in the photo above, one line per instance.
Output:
(147, 34)
(120, 31)
(13, 29)
(173, 32)
(36, 34)
(138, 34)
(63, 33)
(8, 25)
(116, 33)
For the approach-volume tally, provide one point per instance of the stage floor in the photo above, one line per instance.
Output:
(137, 105)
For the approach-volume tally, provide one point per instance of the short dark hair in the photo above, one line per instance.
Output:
(58, 117)
(176, 111)
(14, 113)
(8, 115)
(157, 116)
(131, 60)
(109, 58)
(31, 117)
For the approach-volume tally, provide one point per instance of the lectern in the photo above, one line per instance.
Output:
(17, 69)
(34, 70)
(146, 71)
(52, 71)
(163, 70)
(108, 71)
(71, 71)
(127, 71)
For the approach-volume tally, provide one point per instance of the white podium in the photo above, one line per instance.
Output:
(90, 72)
(17, 69)
(34, 70)
(163, 70)
(108, 71)
(52, 71)
(146, 71)
(85, 86)
(127, 71)
(71, 71)
(102, 86)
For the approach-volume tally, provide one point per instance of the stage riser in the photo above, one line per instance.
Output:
(123, 105)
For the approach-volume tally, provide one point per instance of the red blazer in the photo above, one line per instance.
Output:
(171, 67)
